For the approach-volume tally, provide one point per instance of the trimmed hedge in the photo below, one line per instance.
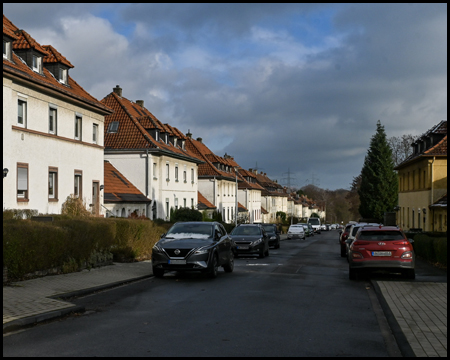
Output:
(430, 246)
(68, 245)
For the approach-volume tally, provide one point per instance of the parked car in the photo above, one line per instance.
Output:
(381, 248)
(352, 234)
(296, 231)
(194, 246)
(308, 230)
(315, 222)
(323, 227)
(311, 229)
(273, 233)
(250, 239)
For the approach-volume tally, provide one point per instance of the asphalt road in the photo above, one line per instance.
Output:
(296, 302)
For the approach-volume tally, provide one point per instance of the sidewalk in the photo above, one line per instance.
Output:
(416, 311)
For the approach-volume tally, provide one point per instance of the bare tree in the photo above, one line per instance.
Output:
(401, 147)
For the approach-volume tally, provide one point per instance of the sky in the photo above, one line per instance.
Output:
(294, 90)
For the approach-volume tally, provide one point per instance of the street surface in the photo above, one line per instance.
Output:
(296, 302)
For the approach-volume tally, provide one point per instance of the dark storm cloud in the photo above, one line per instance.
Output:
(243, 77)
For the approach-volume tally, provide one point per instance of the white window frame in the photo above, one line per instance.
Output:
(176, 172)
(53, 120)
(78, 127)
(63, 76)
(24, 112)
(22, 182)
(78, 184)
(167, 172)
(6, 49)
(52, 183)
(95, 133)
(192, 175)
(38, 65)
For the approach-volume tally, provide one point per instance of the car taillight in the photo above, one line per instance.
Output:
(357, 255)
(400, 243)
(344, 237)
(407, 255)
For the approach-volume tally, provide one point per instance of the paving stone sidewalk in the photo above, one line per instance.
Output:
(420, 309)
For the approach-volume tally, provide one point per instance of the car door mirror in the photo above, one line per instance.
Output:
(411, 240)
(162, 235)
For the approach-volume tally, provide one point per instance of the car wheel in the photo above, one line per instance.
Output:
(409, 274)
(230, 266)
(214, 267)
(352, 274)
(158, 272)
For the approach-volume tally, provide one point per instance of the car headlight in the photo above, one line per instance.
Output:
(273, 238)
(156, 249)
(201, 251)
(257, 242)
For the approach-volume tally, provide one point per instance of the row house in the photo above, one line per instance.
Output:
(217, 179)
(250, 195)
(152, 155)
(52, 129)
(204, 205)
(423, 182)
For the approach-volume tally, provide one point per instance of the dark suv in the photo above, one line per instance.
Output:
(196, 245)
(381, 248)
(274, 235)
(250, 239)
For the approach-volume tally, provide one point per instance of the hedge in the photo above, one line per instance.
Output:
(430, 246)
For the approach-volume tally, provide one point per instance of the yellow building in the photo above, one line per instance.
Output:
(422, 181)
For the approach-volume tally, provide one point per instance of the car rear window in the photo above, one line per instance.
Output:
(270, 228)
(381, 235)
(246, 230)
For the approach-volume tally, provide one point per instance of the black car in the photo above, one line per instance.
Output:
(273, 233)
(194, 246)
(250, 239)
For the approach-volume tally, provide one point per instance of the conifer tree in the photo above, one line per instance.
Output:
(378, 192)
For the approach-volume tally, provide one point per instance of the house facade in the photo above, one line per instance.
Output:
(423, 182)
(217, 179)
(152, 155)
(52, 129)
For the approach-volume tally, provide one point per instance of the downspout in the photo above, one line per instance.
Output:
(146, 183)
(432, 191)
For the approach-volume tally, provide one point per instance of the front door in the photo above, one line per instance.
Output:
(96, 198)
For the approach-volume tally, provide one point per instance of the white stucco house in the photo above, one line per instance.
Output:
(152, 155)
(52, 129)
(217, 179)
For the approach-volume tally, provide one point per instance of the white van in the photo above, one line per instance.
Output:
(315, 222)
(296, 231)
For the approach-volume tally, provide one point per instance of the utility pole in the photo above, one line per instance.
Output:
(288, 181)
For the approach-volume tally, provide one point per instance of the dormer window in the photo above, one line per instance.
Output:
(63, 76)
(183, 142)
(37, 64)
(175, 140)
(113, 127)
(6, 49)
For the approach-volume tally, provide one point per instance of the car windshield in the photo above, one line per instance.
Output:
(314, 221)
(246, 230)
(381, 235)
(190, 231)
(269, 228)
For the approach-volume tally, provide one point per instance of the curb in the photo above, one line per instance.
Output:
(402, 342)
(51, 315)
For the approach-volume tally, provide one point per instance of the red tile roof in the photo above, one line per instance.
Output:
(203, 202)
(439, 149)
(135, 122)
(54, 56)
(18, 68)
(118, 188)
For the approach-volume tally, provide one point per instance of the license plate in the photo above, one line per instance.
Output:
(243, 247)
(381, 253)
(177, 262)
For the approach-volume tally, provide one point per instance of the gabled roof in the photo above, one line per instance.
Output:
(135, 122)
(208, 168)
(54, 56)
(249, 181)
(432, 143)
(118, 189)
(242, 208)
(18, 69)
(203, 203)
(440, 203)
(9, 28)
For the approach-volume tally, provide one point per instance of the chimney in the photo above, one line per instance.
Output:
(250, 170)
(189, 135)
(118, 90)
(200, 140)
(140, 103)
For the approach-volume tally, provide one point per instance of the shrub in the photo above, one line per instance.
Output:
(74, 207)
(186, 214)
(430, 247)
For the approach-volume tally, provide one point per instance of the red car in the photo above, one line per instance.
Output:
(381, 248)
(343, 236)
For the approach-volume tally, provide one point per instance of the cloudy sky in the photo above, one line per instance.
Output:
(286, 87)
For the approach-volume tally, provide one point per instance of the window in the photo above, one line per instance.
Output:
(77, 191)
(176, 203)
(154, 171)
(167, 208)
(113, 127)
(95, 133)
(77, 127)
(192, 203)
(22, 182)
(63, 76)
(176, 173)
(167, 172)
(52, 121)
(184, 202)
(184, 176)
(192, 175)
(6, 49)
(22, 113)
(36, 64)
(53, 183)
